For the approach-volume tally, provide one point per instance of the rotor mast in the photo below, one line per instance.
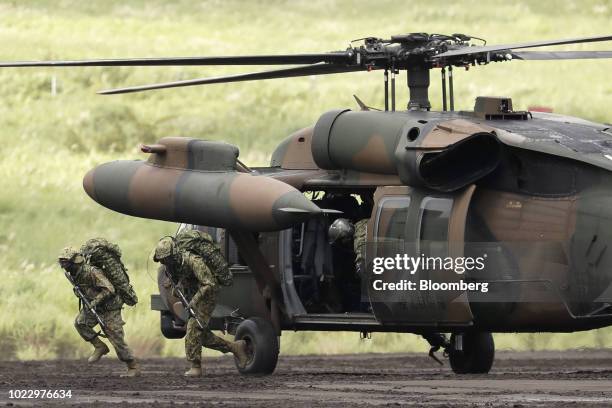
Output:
(418, 87)
(412, 53)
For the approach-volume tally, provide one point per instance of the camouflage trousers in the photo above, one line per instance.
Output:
(196, 338)
(85, 322)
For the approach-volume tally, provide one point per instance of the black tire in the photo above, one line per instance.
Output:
(477, 355)
(262, 346)
(167, 327)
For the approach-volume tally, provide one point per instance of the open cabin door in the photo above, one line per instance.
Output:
(414, 224)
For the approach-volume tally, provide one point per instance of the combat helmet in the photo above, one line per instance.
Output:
(165, 248)
(341, 232)
(70, 254)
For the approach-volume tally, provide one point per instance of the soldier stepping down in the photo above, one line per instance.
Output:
(196, 282)
(100, 305)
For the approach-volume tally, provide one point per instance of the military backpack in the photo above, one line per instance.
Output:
(107, 257)
(202, 244)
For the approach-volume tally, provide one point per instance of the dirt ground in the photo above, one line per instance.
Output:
(576, 378)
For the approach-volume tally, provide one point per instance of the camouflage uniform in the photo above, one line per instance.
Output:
(190, 273)
(359, 245)
(100, 292)
(199, 284)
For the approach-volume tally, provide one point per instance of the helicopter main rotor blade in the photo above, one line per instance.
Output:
(331, 57)
(502, 47)
(560, 55)
(317, 69)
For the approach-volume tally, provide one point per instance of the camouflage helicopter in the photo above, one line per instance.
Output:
(529, 191)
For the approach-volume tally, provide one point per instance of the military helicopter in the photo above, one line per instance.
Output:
(527, 193)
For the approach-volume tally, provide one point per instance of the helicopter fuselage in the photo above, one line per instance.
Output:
(534, 202)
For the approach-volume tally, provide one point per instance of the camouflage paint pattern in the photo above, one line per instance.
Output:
(438, 134)
(442, 154)
(397, 219)
(187, 183)
(397, 143)
(295, 152)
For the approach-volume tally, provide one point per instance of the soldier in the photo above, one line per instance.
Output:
(199, 284)
(101, 295)
(359, 245)
(343, 233)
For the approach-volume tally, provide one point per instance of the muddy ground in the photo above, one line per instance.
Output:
(561, 379)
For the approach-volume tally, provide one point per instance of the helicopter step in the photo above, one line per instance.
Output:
(346, 319)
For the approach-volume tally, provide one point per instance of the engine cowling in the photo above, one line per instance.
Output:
(444, 156)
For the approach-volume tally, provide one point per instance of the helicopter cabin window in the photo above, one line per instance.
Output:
(391, 217)
(390, 230)
(433, 225)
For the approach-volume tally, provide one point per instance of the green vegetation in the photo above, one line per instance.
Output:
(48, 142)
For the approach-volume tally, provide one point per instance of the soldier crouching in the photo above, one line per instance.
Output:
(101, 296)
(191, 274)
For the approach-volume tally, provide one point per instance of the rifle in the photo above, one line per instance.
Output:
(79, 294)
(183, 300)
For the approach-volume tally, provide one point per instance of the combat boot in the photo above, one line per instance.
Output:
(133, 369)
(100, 349)
(239, 349)
(195, 370)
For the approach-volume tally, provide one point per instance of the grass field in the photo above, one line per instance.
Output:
(48, 141)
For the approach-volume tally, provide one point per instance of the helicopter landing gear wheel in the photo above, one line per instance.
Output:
(262, 346)
(472, 353)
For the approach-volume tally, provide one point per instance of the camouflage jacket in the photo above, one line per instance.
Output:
(359, 240)
(192, 274)
(97, 288)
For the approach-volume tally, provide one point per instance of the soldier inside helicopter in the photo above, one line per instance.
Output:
(325, 272)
